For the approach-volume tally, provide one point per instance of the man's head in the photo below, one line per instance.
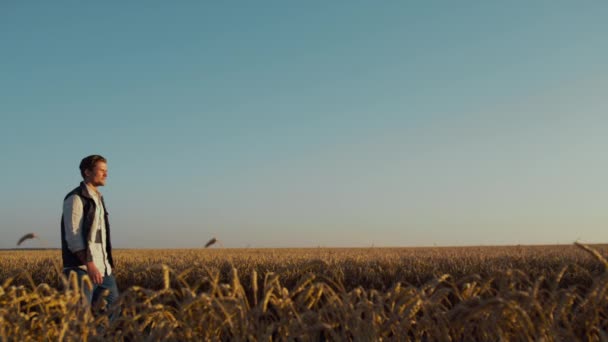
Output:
(94, 170)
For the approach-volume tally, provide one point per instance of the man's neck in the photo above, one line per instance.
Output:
(93, 187)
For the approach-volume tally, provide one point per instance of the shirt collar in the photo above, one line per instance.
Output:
(92, 192)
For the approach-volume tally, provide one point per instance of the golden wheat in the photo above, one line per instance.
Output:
(435, 294)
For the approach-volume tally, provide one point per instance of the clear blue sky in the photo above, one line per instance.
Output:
(309, 123)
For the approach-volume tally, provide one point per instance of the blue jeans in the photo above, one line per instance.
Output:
(93, 295)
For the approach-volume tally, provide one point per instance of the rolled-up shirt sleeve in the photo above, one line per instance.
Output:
(72, 221)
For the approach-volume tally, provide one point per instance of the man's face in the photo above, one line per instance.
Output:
(97, 176)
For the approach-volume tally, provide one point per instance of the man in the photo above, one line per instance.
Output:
(85, 232)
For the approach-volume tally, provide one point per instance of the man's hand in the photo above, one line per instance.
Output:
(94, 273)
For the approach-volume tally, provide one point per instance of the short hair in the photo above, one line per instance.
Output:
(88, 163)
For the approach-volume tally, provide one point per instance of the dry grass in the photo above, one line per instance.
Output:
(551, 293)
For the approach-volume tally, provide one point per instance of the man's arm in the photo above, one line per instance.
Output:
(72, 221)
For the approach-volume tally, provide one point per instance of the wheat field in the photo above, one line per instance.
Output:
(517, 293)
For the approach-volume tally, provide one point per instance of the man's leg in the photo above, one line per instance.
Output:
(109, 284)
(80, 273)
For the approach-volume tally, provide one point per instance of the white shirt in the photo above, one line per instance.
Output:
(72, 220)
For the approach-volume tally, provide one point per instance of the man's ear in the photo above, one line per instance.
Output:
(87, 173)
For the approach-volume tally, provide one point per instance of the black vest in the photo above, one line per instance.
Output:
(88, 213)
